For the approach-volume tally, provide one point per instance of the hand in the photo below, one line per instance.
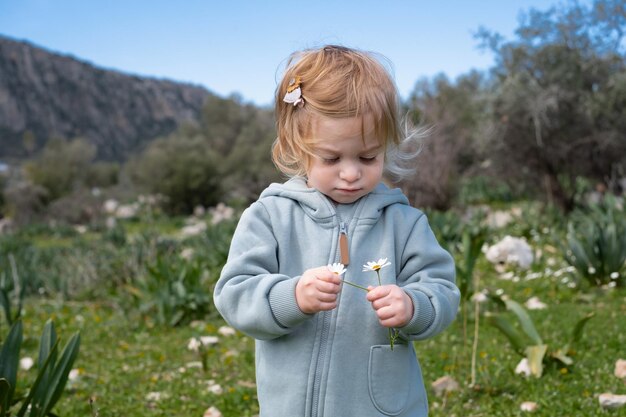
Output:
(317, 290)
(392, 304)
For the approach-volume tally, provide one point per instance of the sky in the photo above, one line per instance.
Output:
(238, 46)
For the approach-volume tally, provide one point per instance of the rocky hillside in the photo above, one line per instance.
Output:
(44, 94)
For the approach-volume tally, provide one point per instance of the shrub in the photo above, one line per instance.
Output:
(596, 243)
(181, 169)
(58, 169)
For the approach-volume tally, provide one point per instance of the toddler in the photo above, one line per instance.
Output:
(323, 348)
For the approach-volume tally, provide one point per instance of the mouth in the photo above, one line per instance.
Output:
(348, 190)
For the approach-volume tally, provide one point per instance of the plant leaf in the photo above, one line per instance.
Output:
(10, 357)
(514, 336)
(578, 329)
(525, 320)
(46, 354)
(5, 387)
(36, 410)
(535, 355)
(60, 373)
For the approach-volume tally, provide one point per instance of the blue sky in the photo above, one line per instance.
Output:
(238, 46)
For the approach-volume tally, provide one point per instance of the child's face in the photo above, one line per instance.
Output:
(345, 167)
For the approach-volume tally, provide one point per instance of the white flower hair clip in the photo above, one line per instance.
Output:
(294, 93)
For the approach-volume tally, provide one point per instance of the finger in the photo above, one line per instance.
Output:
(330, 277)
(327, 306)
(380, 303)
(327, 287)
(327, 298)
(385, 313)
(378, 292)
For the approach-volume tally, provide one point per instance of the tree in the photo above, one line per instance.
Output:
(61, 166)
(559, 99)
(453, 114)
(183, 169)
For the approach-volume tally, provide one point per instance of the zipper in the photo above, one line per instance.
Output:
(344, 254)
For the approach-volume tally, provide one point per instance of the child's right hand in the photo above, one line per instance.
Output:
(317, 290)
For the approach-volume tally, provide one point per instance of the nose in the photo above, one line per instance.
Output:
(350, 172)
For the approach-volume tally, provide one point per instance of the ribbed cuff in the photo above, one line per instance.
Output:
(282, 299)
(423, 313)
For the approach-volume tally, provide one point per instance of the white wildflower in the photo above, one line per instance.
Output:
(375, 266)
(209, 340)
(110, 206)
(194, 364)
(193, 229)
(529, 406)
(74, 374)
(26, 363)
(226, 331)
(155, 396)
(511, 250)
(614, 275)
(337, 268)
(591, 270)
(194, 344)
(187, 253)
(214, 388)
(220, 213)
(212, 412)
(127, 211)
(80, 229)
(479, 297)
(499, 219)
(534, 303)
(523, 367)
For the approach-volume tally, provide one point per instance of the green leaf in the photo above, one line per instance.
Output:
(509, 331)
(578, 329)
(5, 387)
(535, 355)
(61, 372)
(525, 320)
(10, 357)
(36, 409)
(46, 354)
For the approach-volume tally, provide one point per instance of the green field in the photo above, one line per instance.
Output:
(115, 287)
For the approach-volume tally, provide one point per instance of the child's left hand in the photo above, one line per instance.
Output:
(393, 306)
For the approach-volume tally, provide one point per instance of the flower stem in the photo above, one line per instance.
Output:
(355, 285)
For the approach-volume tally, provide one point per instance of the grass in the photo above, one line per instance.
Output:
(127, 360)
(123, 359)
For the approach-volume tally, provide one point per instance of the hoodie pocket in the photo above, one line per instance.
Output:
(390, 376)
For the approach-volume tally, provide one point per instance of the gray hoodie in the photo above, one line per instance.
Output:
(335, 363)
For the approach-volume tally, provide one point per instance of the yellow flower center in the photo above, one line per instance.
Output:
(376, 267)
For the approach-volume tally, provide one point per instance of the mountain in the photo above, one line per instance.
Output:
(45, 94)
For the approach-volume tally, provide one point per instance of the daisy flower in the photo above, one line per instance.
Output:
(337, 268)
(375, 266)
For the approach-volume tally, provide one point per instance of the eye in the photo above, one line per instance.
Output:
(330, 161)
(368, 159)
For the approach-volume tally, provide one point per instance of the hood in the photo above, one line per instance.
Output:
(319, 207)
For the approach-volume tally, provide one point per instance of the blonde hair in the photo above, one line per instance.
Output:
(338, 82)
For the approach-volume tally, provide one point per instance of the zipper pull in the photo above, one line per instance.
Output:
(343, 243)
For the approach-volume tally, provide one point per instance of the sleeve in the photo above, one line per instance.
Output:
(428, 277)
(250, 294)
